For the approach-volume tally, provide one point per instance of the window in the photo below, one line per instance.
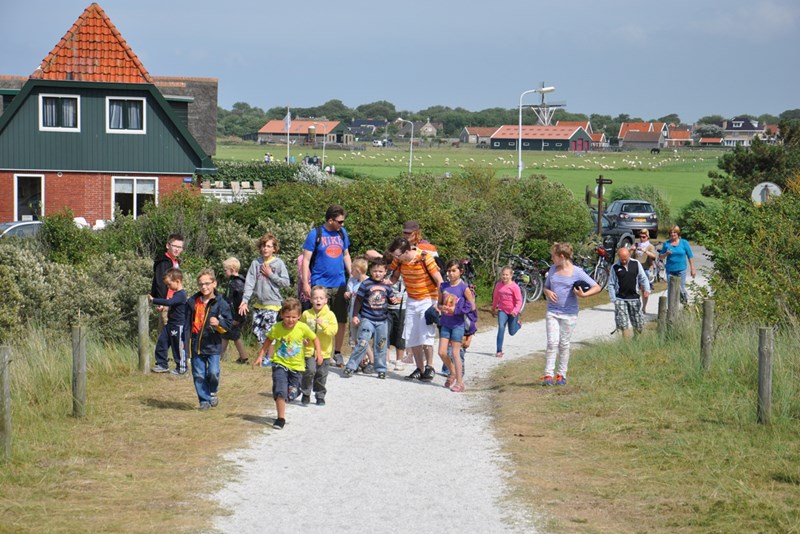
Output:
(512, 143)
(58, 113)
(131, 194)
(496, 143)
(125, 115)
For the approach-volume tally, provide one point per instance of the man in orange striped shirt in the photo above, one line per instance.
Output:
(422, 279)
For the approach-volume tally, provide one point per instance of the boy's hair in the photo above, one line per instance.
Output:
(175, 237)
(266, 238)
(334, 210)
(319, 288)
(562, 249)
(454, 263)
(360, 263)
(400, 243)
(231, 263)
(173, 275)
(207, 272)
(379, 262)
(291, 304)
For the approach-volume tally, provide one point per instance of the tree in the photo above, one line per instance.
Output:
(708, 130)
(672, 118)
(711, 119)
(790, 114)
(377, 110)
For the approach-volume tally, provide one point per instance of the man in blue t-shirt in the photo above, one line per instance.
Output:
(326, 262)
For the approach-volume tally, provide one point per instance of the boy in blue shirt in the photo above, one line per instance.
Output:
(171, 335)
(370, 314)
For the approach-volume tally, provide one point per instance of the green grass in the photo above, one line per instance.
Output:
(679, 176)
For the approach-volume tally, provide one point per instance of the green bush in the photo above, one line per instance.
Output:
(10, 306)
(255, 171)
(65, 242)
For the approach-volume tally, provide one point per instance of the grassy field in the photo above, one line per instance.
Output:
(678, 175)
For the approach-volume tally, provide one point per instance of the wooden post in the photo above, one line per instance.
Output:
(144, 335)
(673, 306)
(765, 350)
(707, 335)
(78, 372)
(662, 314)
(5, 402)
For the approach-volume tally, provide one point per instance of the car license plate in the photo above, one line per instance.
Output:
(639, 219)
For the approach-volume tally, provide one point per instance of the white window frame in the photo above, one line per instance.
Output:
(110, 130)
(44, 128)
(496, 143)
(16, 192)
(135, 180)
(512, 143)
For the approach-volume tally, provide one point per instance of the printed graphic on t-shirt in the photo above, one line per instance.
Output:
(376, 299)
(332, 245)
(286, 348)
(449, 303)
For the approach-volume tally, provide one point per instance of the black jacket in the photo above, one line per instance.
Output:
(234, 295)
(209, 340)
(161, 265)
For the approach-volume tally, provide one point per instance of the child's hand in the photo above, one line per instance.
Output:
(395, 300)
(213, 322)
(243, 308)
(257, 361)
(266, 270)
(150, 299)
(319, 358)
(356, 321)
(347, 295)
(466, 341)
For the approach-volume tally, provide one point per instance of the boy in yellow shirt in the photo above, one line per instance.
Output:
(322, 321)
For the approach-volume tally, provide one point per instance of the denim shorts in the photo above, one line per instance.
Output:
(283, 379)
(454, 333)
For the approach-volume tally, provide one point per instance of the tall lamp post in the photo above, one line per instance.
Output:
(541, 90)
(410, 145)
(324, 139)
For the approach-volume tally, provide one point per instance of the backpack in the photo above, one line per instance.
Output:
(440, 263)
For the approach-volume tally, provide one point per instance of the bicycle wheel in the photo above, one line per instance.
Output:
(522, 289)
(601, 274)
(535, 288)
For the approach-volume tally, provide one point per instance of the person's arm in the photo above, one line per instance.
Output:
(395, 268)
(249, 287)
(317, 350)
(613, 281)
(347, 261)
(690, 259)
(306, 274)
(179, 297)
(357, 308)
(470, 298)
(280, 274)
(516, 294)
(593, 290)
(327, 324)
(642, 281)
(266, 348)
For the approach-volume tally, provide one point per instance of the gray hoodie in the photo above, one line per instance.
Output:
(266, 290)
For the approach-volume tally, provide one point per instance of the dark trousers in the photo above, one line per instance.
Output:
(315, 377)
(171, 337)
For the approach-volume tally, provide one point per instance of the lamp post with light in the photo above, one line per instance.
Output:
(410, 145)
(542, 91)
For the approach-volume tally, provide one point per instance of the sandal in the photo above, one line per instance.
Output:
(449, 382)
(455, 388)
(499, 354)
(242, 360)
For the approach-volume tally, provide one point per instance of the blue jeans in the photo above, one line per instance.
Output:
(370, 329)
(682, 275)
(504, 319)
(205, 372)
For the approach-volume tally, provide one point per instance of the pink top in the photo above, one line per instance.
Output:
(507, 298)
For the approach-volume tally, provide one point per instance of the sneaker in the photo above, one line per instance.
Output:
(214, 401)
(160, 369)
(266, 362)
(416, 374)
(279, 423)
(398, 365)
(382, 376)
(369, 369)
(204, 406)
(320, 402)
(547, 380)
(293, 393)
(347, 372)
(175, 372)
(306, 400)
(428, 374)
(338, 359)
(561, 380)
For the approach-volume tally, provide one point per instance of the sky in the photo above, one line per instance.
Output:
(645, 59)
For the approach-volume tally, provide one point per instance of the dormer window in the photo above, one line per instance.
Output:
(737, 124)
(125, 115)
(59, 113)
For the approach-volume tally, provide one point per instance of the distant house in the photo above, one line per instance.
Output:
(627, 127)
(551, 138)
(476, 135)
(305, 132)
(710, 141)
(92, 131)
(635, 140)
(421, 129)
(599, 141)
(679, 137)
(740, 131)
(367, 127)
(586, 125)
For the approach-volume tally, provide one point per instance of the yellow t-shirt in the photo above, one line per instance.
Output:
(289, 345)
(325, 331)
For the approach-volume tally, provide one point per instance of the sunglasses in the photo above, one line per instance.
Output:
(339, 221)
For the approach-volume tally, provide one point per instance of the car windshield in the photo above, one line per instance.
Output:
(639, 207)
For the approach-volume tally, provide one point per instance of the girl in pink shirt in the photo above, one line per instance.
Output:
(506, 302)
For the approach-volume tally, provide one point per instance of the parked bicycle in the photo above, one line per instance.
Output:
(469, 276)
(527, 275)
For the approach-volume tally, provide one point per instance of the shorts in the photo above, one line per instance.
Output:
(453, 333)
(628, 313)
(234, 333)
(263, 321)
(415, 331)
(337, 303)
(285, 382)
(395, 320)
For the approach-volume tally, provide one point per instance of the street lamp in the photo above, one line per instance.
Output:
(541, 90)
(410, 145)
(324, 139)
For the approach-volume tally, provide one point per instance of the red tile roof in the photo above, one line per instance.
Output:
(93, 50)
(598, 137)
(680, 135)
(711, 140)
(298, 127)
(626, 127)
(586, 125)
(481, 131)
(535, 132)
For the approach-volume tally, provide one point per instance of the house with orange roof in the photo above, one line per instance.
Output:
(306, 132)
(477, 135)
(679, 137)
(625, 128)
(543, 138)
(586, 125)
(90, 130)
(710, 141)
(599, 141)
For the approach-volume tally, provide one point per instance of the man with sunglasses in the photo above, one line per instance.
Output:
(326, 262)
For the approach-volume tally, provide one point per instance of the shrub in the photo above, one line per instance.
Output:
(255, 171)
(10, 306)
(65, 242)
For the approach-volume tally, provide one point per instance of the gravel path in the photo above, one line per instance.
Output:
(389, 455)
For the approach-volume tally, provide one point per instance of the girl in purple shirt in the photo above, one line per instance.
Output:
(455, 301)
(562, 287)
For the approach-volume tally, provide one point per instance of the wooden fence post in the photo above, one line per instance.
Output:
(662, 314)
(78, 372)
(144, 336)
(674, 293)
(766, 347)
(5, 402)
(707, 335)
